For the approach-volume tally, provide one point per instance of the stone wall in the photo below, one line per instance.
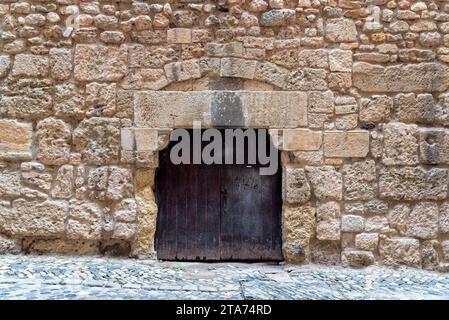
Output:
(356, 94)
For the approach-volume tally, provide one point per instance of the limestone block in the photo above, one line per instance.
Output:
(341, 30)
(328, 221)
(326, 182)
(15, 140)
(400, 144)
(295, 189)
(53, 141)
(346, 144)
(301, 140)
(400, 251)
(413, 183)
(33, 66)
(360, 180)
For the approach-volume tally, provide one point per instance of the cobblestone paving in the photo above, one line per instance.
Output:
(31, 277)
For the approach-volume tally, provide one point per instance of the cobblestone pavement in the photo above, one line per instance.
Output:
(32, 277)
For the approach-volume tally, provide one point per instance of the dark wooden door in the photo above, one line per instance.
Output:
(217, 212)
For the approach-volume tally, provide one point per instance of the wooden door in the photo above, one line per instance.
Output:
(217, 212)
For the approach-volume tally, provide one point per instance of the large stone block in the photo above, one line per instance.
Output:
(400, 251)
(376, 109)
(29, 65)
(31, 99)
(100, 63)
(61, 63)
(400, 144)
(238, 68)
(413, 183)
(296, 189)
(401, 78)
(422, 222)
(171, 109)
(301, 140)
(326, 182)
(360, 180)
(53, 141)
(31, 218)
(275, 109)
(328, 221)
(357, 258)
(9, 183)
(421, 108)
(15, 140)
(341, 30)
(98, 140)
(434, 146)
(69, 101)
(346, 144)
(85, 221)
(298, 224)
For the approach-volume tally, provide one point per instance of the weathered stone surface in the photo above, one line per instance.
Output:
(171, 109)
(340, 60)
(9, 183)
(326, 182)
(321, 102)
(434, 146)
(98, 140)
(64, 182)
(444, 218)
(31, 218)
(377, 224)
(182, 71)
(397, 217)
(271, 73)
(124, 231)
(296, 188)
(401, 78)
(58, 246)
(61, 63)
(325, 252)
(357, 258)
(277, 18)
(100, 99)
(306, 79)
(28, 65)
(400, 144)
(359, 180)
(376, 109)
(120, 184)
(147, 211)
(69, 101)
(5, 63)
(341, 30)
(301, 140)
(346, 144)
(126, 211)
(9, 246)
(100, 63)
(15, 140)
(85, 221)
(274, 109)
(400, 251)
(298, 229)
(352, 223)
(429, 255)
(413, 183)
(328, 221)
(37, 179)
(53, 141)
(367, 241)
(238, 68)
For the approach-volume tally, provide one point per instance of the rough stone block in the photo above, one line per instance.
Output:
(182, 71)
(238, 68)
(341, 30)
(413, 183)
(434, 146)
(346, 144)
(301, 140)
(422, 222)
(53, 141)
(179, 35)
(400, 251)
(9, 184)
(61, 63)
(100, 63)
(15, 140)
(376, 109)
(98, 140)
(357, 258)
(401, 78)
(367, 241)
(328, 221)
(400, 144)
(340, 60)
(360, 180)
(28, 65)
(321, 102)
(296, 188)
(352, 223)
(326, 182)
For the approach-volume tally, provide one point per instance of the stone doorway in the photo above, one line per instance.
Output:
(219, 211)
